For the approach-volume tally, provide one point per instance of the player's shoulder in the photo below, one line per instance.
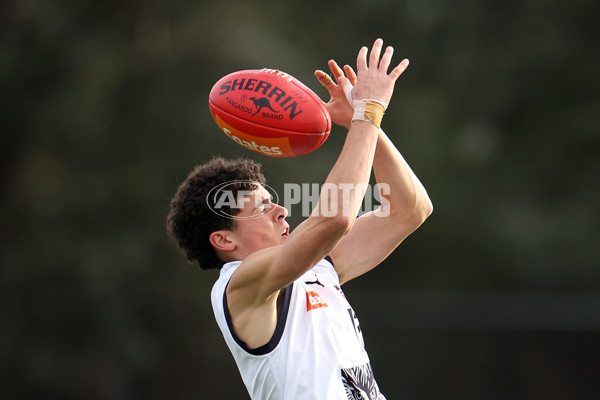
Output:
(225, 274)
(326, 267)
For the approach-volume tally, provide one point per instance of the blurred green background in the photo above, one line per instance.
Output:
(105, 111)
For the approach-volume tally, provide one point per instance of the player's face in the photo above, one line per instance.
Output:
(260, 223)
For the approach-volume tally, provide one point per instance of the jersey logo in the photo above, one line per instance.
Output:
(356, 326)
(313, 301)
(315, 282)
(360, 383)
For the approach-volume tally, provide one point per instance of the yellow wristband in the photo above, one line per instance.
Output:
(369, 110)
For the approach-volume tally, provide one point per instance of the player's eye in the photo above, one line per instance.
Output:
(267, 207)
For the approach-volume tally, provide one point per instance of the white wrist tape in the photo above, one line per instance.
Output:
(369, 110)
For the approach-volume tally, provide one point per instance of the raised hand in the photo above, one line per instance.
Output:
(373, 81)
(339, 108)
(377, 85)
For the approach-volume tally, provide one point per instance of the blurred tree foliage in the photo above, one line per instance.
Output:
(105, 112)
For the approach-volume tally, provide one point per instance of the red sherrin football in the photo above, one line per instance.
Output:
(269, 112)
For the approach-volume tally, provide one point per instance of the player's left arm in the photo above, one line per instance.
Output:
(405, 204)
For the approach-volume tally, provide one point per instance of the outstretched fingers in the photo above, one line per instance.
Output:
(335, 70)
(324, 79)
(361, 60)
(396, 72)
(350, 74)
(372, 69)
(384, 64)
(375, 54)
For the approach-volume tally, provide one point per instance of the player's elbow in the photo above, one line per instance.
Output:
(337, 225)
(422, 210)
(342, 223)
(411, 217)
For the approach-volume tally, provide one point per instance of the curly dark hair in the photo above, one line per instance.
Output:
(191, 221)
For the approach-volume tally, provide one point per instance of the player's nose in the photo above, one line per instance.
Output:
(280, 212)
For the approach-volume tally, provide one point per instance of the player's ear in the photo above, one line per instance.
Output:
(220, 240)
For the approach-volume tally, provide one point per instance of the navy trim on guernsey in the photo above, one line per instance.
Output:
(281, 319)
(330, 260)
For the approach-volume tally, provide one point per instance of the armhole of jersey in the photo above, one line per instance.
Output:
(281, 320)
(328, 258)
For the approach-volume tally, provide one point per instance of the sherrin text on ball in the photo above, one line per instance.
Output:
(269, 112)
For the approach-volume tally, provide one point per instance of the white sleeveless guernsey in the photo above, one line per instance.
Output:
(317, 351)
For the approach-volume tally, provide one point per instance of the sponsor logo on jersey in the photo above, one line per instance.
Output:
(313, 301)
